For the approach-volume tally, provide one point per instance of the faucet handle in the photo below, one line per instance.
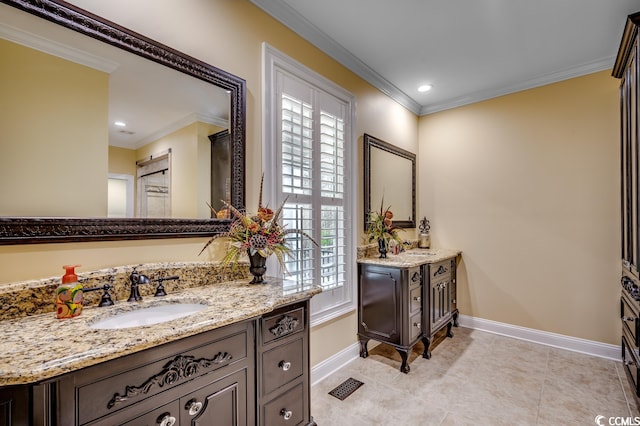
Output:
(105, 299)
(160, 289)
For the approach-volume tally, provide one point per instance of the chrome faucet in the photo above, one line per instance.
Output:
(136, 280)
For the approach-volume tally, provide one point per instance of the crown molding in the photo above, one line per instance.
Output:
(542, 80)
(60, 50)
(305, 29)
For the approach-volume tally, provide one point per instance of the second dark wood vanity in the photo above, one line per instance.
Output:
(405, 299)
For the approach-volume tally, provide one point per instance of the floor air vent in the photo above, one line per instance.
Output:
(346, 388)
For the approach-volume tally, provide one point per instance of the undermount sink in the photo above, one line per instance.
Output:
(148, 316)
(418, 253)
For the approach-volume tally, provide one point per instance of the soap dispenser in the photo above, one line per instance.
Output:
(69, 294)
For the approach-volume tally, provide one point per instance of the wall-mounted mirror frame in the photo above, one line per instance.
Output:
(377, 147)
(30, 230)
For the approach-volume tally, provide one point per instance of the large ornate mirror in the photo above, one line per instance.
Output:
(390, 180)
(58, 159)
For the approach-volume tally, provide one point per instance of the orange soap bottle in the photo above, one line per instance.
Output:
(69, 294)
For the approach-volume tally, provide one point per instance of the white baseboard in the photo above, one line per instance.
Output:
(589, 347)
(334, 362)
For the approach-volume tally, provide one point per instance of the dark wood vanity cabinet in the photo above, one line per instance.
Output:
(443, 307)
(283, 363)
(400, 306)
(14, 403)
(390, 308)
(627, 69)
(254, 372)
(201, 380)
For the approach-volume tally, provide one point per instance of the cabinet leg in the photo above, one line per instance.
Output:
(404, 354)
(449, 326)
(426, 342)
(455, 319)
(364, 353)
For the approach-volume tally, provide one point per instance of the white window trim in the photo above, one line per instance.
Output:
(272, 59)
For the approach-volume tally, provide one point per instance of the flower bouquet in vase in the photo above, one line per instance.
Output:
(258, 236)
(380, 228)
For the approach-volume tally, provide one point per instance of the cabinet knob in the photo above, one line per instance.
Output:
(628, 319)
(417, 298)
(284, 365)
(166, 419)
(417, 324)
(286, 414)
(193, 406)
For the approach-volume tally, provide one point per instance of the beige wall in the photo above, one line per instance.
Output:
(35, 93)
(229, 35)
(122, 161)
(527, 186)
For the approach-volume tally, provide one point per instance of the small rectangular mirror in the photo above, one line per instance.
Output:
(389, 174)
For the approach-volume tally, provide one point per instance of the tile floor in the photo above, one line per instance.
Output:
(478, 378)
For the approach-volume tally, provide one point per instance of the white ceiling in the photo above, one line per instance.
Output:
(469, 50)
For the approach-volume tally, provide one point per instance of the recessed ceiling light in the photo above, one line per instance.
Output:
(425, 88)
(120, 124)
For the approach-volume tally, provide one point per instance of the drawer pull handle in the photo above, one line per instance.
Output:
(628, 319)
(629, 363)
(284, 365)
(166, 419)
(194, 407)
(286, 414)
(417, 298)
(416, 277)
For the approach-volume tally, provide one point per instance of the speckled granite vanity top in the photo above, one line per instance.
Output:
(412, 258)
(38, 347)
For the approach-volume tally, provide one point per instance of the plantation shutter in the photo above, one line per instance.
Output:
(311, 146)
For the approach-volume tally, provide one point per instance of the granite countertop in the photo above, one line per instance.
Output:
(412, 258)
(40, 347)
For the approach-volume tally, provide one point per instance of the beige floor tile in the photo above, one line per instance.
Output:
(477, 378)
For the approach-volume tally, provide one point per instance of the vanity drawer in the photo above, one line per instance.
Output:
(415, 326)
(415, 276)
(415, 300)
(630, 320)
(631, 365)
(282, 364)
(440, 270)
(282, 323)
(287, 409)
(135, 378)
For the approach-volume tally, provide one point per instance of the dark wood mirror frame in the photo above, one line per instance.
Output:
(372, 142)
(30, 230)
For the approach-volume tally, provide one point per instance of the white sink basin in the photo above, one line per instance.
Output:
(148, 316)
(418, 253)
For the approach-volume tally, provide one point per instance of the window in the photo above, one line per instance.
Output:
(310, 150)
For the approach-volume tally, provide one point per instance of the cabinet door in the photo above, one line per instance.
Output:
(379, 294)
(14, 406)
(222, 403)
(440, 304)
